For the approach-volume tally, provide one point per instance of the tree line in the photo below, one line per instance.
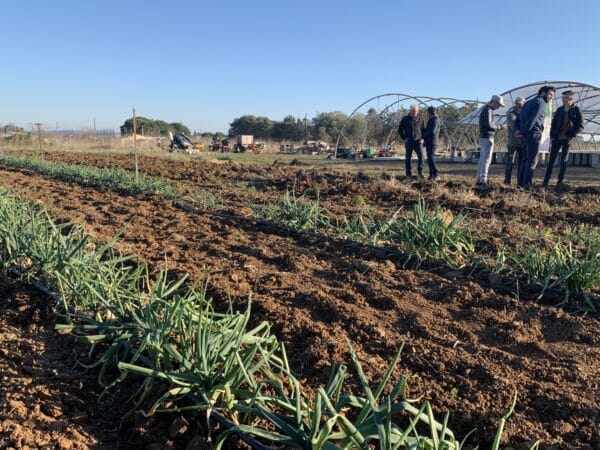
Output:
(373, 128)
(152, 127)
(325, 126)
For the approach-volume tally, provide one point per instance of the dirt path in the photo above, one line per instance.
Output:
(468, 348)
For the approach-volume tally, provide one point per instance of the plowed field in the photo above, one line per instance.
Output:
(469, 345)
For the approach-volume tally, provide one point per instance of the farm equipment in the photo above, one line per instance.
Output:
(287, 149)
(245, 143)
(219, 145)
(314, 147)
(180, 141)
(307, 148)
(368, 152)
(388, 151)
(343, 153)
(373, 152)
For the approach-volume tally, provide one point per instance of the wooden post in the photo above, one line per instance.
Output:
(39, 132)
(137, 172)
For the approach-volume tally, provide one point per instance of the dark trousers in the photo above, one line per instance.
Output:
(558, 144)
(532, 151)
(514, 153)
(411, 145)
(430, 150)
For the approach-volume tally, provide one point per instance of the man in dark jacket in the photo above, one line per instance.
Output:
(514, 145)
(531, 127)
(431, 137)
(411, 131)
(566, 124)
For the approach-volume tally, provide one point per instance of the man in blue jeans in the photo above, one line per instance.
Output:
(531, 127)
(566, 124)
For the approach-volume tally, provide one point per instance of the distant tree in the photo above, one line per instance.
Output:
(152, 127)
(357, 131)
(206, 134)
(327, 126)
(375, 128)
(11, 127)
(249, 124)
(289, 128)
(391, 119)
(178, 127)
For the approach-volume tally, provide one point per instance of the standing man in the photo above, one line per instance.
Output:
(514, 145)
(431, 137)
(411, 131)
(487, 131)
(566, 124)
(531, 127)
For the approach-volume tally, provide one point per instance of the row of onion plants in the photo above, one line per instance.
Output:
(571, 264)
(103, 178)
(423, 234)
(164, 331)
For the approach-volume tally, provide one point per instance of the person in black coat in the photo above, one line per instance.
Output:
(566, 124)
(530, 128)
(431, 136)
(411, 131)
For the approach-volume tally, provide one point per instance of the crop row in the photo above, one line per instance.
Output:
(103, 178)
(166, 331)
(571, 264)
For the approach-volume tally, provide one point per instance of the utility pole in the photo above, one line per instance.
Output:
(39, 132)
(305, 130)
(95, 137)
(137, 173)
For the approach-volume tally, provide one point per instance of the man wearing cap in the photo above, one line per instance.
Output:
(411, 131)
(431, 137)
(531, 127)
(566, 124)
(514, 145)
(487, 131)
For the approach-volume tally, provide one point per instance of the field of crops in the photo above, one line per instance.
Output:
(489, 294)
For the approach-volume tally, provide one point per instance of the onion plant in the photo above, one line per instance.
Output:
(562, 266)
(294, 212)
(432, 234)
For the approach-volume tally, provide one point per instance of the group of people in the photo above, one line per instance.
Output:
(415, 132)
(525, 123)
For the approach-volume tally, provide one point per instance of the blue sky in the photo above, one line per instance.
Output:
(206, 62)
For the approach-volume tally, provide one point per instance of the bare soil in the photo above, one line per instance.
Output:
(469, 346)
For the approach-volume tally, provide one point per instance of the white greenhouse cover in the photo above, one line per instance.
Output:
(587, 97)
